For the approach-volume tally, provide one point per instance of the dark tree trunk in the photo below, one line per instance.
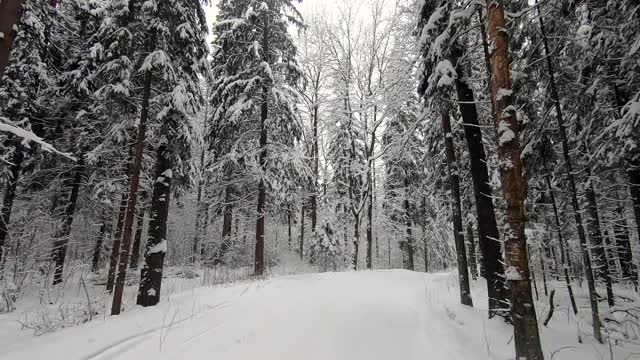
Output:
(262, 190)
(156, 248)
(61, 237)
(523, 313)
(227, 221)
(97, 250)
(301, 248)
(410, 243)
(137, 238)
(316, 157)
(572, 184)
(289, 226)
(633, 173)
(623, 244)
(489, 244)
(10, 195)
(369, 223)
(10, 15)
(456, 209)
(132, 198)
(115, 250)
(597, 244)
(356, 241)
(471, 242)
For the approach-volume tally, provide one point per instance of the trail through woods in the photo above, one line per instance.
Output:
(354, 315)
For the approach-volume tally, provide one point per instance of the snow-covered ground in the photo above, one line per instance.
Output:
(331, 316)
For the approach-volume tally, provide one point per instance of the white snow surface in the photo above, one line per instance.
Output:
(370, 315)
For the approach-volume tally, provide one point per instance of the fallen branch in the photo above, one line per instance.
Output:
(552, 307)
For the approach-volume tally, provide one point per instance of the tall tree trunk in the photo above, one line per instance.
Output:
(623, 243)
(595, 237)
(61, 236)
(316, 156)
(369, 222)
(523, 313)
(410, 242)
(289, 226)
(115, 250)
(156, 248)
(262, 190)
(572, 185)
(10, 195)
(10, 15)
(633, 174)
(137, 238)
(489, 244)
(356, 242)
(473, 265)
(456, 209)
(132, 198)
(301, 248)
(97, 250)
(227, 221)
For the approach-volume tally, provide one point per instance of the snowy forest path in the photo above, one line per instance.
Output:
(352, 315)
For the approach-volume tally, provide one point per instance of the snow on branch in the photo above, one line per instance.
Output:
(29, 136)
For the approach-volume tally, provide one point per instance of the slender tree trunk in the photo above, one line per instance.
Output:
(301, 249)
(456, 209)
(227, 221)
(595, 237)
(10, 15)
(544, 273)
(369, 223)
(115, 251)
(633, 174)
(623, 243)
(97, 250)
(572, 185)
(523, 314)
(10, 195)
(61, 237)
(410, 242)
(316, 156)
(472, 251)
(289, 226)
(262, 190)
(489, 244)
(132, 198)
(156, 248)
(137, 238)
(356, 241)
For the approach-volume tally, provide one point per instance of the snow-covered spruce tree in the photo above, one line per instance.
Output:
(442, 41)
(21, 89)
(255, 69)
(177, 59)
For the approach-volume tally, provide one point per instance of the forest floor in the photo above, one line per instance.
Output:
(370, 315)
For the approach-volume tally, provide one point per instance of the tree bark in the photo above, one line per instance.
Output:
(156, 248)
(115, 251)
(132, 198)
(137, 238)
(301, 248)
(227, 221)
(356, 241)
(410, 243)
(316, 156)
(97, 250)
(489, 244)
(369, 222)
(262, 191)
(595, 237)
(456, 210)
(472, 252)
(61, 236)
(9, 196)
(10, 15)
(523, 314)
(572, 184)
(623, 243)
